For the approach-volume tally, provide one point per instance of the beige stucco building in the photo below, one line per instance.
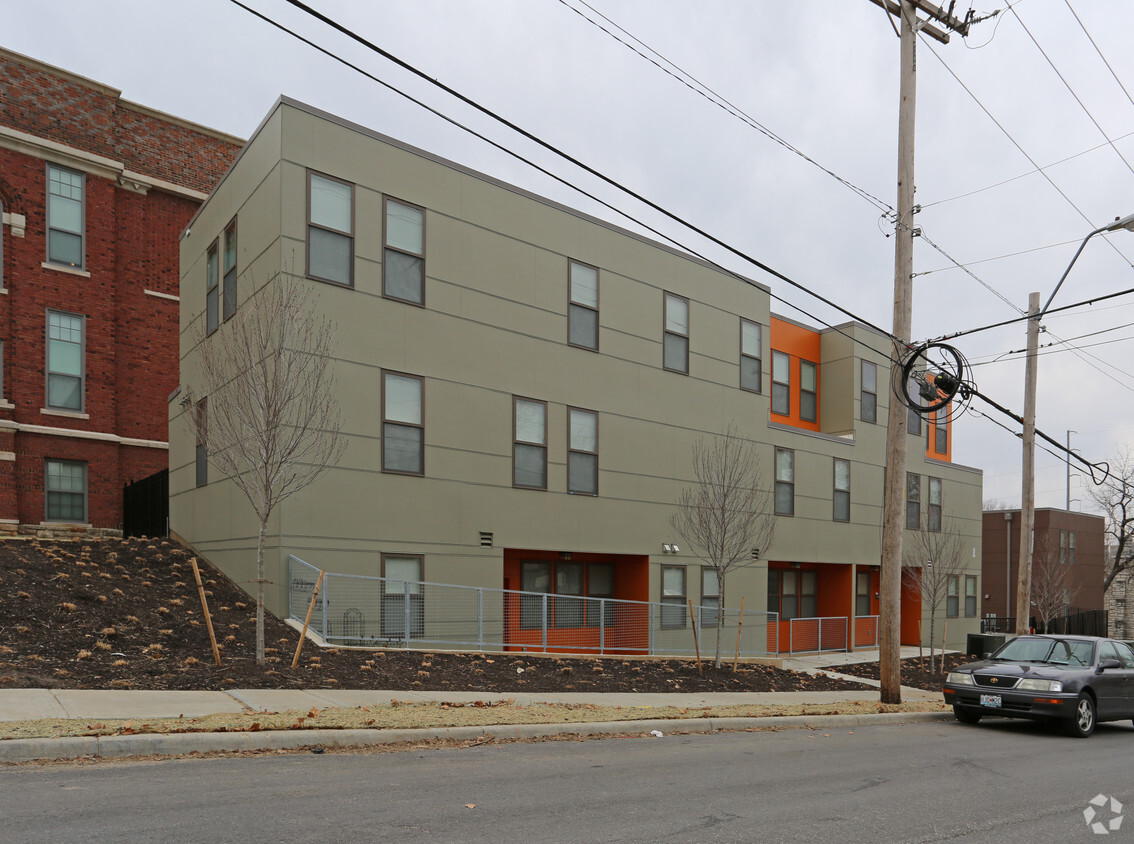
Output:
(522, 387)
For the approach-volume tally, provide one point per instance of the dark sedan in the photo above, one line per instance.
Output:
(1074, 680)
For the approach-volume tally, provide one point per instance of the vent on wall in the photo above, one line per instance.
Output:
(486, 539)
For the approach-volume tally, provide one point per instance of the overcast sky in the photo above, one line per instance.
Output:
(821, 76)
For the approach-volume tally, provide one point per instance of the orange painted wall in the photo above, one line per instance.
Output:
(799, 343)
(931, 443)
(910, 630)
(835, 591)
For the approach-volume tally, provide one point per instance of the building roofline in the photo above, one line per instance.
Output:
(182, 122)
(20, 58)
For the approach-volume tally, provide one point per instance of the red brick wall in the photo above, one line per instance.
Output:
(131, 246)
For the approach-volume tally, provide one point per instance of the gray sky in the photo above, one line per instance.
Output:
(822, 76)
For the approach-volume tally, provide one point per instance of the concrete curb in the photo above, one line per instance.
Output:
(180, 744)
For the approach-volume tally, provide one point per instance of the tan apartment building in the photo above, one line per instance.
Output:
(522, 388)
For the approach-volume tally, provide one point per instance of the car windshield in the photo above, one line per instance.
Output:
(1053, 651)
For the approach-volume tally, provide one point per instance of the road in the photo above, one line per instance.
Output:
(1000, 781)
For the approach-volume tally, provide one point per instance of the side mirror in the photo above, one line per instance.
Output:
(987, 655)
(1104, 664)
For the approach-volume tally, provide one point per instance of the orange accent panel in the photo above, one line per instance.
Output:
(801, 344)
(910, 630)
(835, 590)
(931, 442)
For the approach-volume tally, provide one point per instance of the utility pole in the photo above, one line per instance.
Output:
(1027, 499)
(893, 519)
(1068, 455)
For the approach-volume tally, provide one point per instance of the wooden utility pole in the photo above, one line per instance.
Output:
(1027, 499)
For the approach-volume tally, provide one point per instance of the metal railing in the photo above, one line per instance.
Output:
(365, 611)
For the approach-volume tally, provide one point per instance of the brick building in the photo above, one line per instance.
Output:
(94, 192)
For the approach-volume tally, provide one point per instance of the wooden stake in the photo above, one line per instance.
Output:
(739, 625)
(205, 608)
(696, 643)
(307, 621)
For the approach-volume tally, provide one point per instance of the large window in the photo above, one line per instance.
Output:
(675, 343)
(570, 608)
(793, 593)
(913, 501)
(66, 213)
(841, 503)
(862, 593)
(212, 288)
(941, 432)
(785, 482)
(1067, 547)
(230, 269)
(582, 457)
(808, 391)
(933, 512)
(529, 445)
(403, 423)
(65, 360)
(66, 486)
(781, 383)
(970, 595)
(751, 356)
(582, 307)
(566, 583)
(403, 597)
(201, 408)
(403, 262)
(673, 596)
(330, 229)
(952, 596)
(868, 397)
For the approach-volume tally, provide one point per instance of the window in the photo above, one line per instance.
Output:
(785, 482)
(566, 583)
(933, 514)
(582, 307)
(529, 448)
(65, 365)
(751, 356)
(330, 229)
(212, 291)
(230, 269)
(808, 391)
(600, 584)
(941, 433)
(862, 593)
(913, 501)
(913, 421)
(403, 425)
(1, 370)
(403, 597)
(781, 383)
(1067, 547)
(970, 596)
(403, 262)
(569, 611)
(793, 593)
(673, 596)
(710, 596)
(951, 596)
(201, 408)
(66, 491)
(1, 244)
(675, 351)
(868, 403)
(582, 457)
(842, 491)
(65, 216)
(534, 577)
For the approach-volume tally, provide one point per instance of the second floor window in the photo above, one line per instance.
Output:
(529, 446)
(230, 270)
(933, 513)
(330, 230)
(403, 425)
(675, 351)
(751, 356)
(65, 364)
(941, 432)
(781, 383)
(913, 422)
(808, 391)
(212, 289)
(842, 491)
(913, 501)
(582, 457)
(65, 216)
(403, 262)
(868, 404)
(582, 307)
(785, 482)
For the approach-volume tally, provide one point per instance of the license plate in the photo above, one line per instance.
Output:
(990, 700)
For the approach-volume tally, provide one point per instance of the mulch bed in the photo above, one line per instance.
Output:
(126, 614)
(916, 672)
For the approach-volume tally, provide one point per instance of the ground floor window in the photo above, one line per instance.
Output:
(793, 593)
(402, 583)
(970, 595)
(673, 596)
(710, 596)
(862, 593)
(66, 491)
(570, 584)
(952, 596)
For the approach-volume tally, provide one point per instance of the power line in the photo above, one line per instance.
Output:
(1097, 50)
(1050, 311)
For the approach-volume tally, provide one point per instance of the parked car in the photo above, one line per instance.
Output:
(1077, 681)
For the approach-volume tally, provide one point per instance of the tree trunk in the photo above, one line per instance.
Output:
(932, 639)
(720, 618)
(260, 591)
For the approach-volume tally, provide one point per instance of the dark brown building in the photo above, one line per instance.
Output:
(1061, 538)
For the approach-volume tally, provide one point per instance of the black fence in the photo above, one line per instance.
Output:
(1076, 623)
(145, 506)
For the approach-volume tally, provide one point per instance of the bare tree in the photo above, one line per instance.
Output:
(1053, 588)
(272, 421)
(1115, 497)
(726, 517)
(934, 563)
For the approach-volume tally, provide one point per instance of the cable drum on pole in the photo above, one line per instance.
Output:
(933, 376)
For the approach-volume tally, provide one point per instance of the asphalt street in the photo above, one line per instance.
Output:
(1000, 781)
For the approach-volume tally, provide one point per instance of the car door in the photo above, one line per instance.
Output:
(1126, 657)
(1110, 685)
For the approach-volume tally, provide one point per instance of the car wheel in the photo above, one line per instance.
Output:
(966, 716)
(1082, 723)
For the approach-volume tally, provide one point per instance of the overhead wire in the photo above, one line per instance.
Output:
(1082, 26)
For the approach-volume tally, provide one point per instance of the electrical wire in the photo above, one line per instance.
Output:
(1075, 15)
(1049, 311)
